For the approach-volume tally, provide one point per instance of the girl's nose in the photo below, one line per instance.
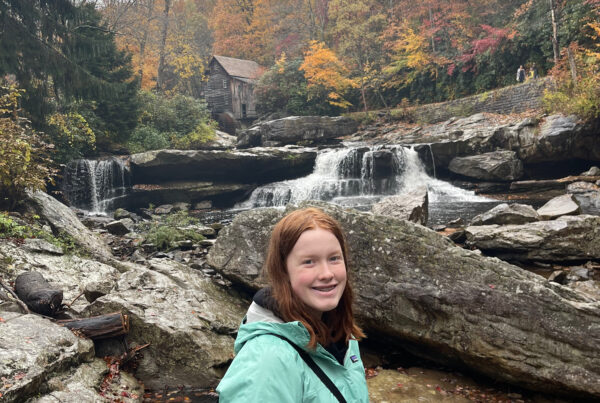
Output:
(325, 272)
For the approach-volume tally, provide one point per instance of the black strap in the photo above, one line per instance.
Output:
(316, 369)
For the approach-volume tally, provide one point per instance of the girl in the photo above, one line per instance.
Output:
(302, 324)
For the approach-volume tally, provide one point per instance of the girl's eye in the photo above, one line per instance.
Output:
(307, 261)
(335, 258)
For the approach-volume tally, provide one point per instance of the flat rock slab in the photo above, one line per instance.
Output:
(302, 130)
(34, 349)
(506, 213)
(63, 219)
(565, 239)
(492, 166)
(258, 165)
(411, 206)
(450, 304)
(559, 206)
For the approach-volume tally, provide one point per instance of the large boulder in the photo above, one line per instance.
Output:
(301, 130)
(555, 139)
(559, 206)
(506, 213)
(187, 319)
(411, 206)
(493, 166)
(259, 165)
(63, 220)
(33, 350)
(565, 239)
(414, 286)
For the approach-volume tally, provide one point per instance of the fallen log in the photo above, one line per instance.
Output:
(33, 289)
(99, 327)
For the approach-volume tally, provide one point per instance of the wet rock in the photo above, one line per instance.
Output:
(188, 192)
(578, 274)
(559, 206)
(203, 205)
(558, 276)
(412, 206)
(582, 187)
(35, 350)
(62, 219)
(302, 130)
(593, 171)
(492, 166)
(591, 288)
(83, 384)
(566, 238)
(415, 286)
(506, 213)
(37, 245)
(120, 227)
(256, 166)
(121, 213)
(95, 222)
(459, 236)
(187, 319)
(164, 209)
(180, 206)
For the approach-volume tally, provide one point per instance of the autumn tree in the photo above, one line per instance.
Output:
(356, 28)
(326, 75)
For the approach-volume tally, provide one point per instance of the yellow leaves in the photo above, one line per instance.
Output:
(323, 70)
(595, 26)
(280, 64)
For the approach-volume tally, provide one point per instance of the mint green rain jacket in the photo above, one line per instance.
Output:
(267, 369)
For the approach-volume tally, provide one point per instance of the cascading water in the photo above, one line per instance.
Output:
(95, 185)
(359, 177)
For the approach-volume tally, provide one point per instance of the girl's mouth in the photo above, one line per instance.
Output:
(325, 289)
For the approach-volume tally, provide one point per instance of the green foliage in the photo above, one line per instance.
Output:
(174, 228)
(24, 160)
(61, 53)
(145, 138)
(9, 229)
(203, 134)
(579, 97)
(71, 135)
(176, 122)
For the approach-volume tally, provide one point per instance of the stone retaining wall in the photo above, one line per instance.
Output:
(515, 98)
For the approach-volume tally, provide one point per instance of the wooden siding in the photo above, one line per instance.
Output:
(218, 98)
(242, 94)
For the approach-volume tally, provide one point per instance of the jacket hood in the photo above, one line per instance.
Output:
(259, 321)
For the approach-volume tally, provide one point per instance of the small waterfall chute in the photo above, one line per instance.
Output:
(95, 185)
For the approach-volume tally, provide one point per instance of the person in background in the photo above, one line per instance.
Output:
(298, 341)
(533, 73)
(520, 74)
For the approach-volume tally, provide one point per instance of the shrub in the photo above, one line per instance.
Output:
(24, 157)
(580, 96)
(146, 138)
(203, 134)
(174, 228)
(72, 136)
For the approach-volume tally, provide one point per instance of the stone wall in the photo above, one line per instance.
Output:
(515, 98)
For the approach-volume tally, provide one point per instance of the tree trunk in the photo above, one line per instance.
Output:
(572, 65)
(163, 43)
(150, 6)
(554, 31)
(33, 289)
(432, 36)
(99, 327)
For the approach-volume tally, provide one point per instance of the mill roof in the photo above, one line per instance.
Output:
(239, 67)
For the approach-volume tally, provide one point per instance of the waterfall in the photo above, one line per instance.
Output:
(95, 185)
(358, 177)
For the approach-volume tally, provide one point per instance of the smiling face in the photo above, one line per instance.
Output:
(317, 270)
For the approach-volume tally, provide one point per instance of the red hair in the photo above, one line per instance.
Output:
(334, 325)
